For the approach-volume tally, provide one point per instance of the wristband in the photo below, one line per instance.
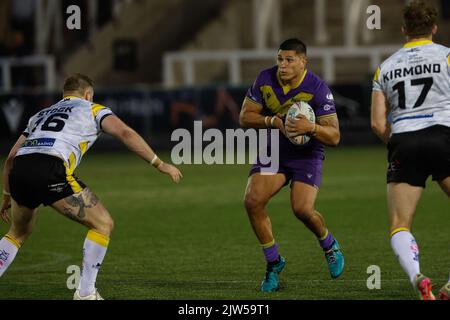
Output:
(313, 131)
(272, 121)
(156, 162)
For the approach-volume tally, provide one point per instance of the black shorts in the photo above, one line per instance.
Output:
(37, 179)
(414, 156)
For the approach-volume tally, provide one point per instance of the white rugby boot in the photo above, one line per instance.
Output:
(93, 296)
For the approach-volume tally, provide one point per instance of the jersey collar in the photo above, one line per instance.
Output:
(417, 43)
(286, 88)
(71, 97)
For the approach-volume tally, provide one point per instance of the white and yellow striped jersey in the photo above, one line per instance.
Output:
(66, 130)
(416, 82)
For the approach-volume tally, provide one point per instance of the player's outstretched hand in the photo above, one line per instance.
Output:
(6, 204)
(171, 170)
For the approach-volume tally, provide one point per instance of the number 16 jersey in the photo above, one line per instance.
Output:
(416, 82)
(66, 130)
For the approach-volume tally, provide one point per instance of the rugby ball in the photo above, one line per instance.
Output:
(305, 109)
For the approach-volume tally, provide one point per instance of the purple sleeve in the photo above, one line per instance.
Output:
(254, 92)
(324, 101)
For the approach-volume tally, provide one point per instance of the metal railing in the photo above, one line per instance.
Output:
(234, 59)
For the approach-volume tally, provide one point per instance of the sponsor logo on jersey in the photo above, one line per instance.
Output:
(327, 107)
(41, 142)
(57, 187)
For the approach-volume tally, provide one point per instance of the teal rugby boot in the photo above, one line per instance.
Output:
(271, 281)
(335, 260)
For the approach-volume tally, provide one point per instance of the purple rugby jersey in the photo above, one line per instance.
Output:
(268, 92)
(297, 163)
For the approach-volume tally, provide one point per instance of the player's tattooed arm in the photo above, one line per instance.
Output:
(327, 130)
(251, 117)
(77, 203)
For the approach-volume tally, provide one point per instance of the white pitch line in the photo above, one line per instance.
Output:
(250, 281)
(52, 258)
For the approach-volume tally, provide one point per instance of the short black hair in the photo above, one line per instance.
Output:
(77, 83)
(294, 44)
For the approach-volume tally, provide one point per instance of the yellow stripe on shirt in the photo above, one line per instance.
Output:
(417, 43)
(252, 101)
(83, 146)
(377, 75)
(96, 109)
(70, 168)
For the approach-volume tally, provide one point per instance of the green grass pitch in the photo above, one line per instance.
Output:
(194, 241)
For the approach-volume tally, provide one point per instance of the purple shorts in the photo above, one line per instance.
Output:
(308, 171)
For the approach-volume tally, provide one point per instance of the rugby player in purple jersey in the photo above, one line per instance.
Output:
(275, 90)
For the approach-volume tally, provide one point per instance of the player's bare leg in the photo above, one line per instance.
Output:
(260, 188)
(444, 292)
(402, 203)
(445, 186)
(86, 209)
(303, 198)
(22, 224)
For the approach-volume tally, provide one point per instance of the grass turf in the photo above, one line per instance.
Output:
(194, 241)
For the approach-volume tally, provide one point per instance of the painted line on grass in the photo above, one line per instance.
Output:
(250, 281)
(52, 258)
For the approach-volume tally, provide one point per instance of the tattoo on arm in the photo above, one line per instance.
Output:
(329, 122)
(78, 203)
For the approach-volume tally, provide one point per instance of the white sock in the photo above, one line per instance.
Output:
(94, 251)
(8, 250)
(407, 251)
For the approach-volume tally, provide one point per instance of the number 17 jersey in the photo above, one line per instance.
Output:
(66, 130)
(416, 82)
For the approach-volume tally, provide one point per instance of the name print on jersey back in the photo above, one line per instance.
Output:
(415, 80)
(412, 71)
(66, 130)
